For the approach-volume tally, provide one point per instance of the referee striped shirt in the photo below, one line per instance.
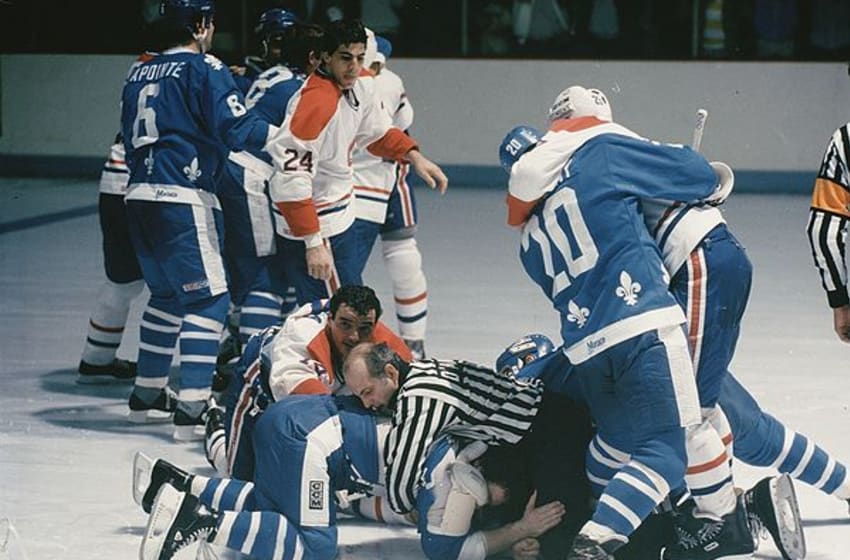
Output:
(439, 397)
(829, 217)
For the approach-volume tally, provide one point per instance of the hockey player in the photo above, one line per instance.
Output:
(710, 278)
(456, 485)
(180, 111)
(576, 197)
(123, 280)
(258, 287)
(123, 276)
(312, 188)
(771, 504)
(308, 449)
(304, 356)
(385, 204)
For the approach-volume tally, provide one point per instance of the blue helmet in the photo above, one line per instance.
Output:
(275, 22)
(517, 142)
(385, 48)
(522, 352)
(187, 12)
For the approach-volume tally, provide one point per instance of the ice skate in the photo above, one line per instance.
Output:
(158, 410)
(116, 371)
(150, 475)
(772, 509)
(175, 523)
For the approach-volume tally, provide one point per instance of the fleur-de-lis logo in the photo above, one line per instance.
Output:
(149, 163)
(192, 171)
(578, 314)
(628, 290)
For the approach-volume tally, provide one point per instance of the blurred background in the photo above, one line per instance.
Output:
(798, 30)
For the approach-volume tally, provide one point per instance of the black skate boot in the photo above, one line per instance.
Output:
(116, 371)
(772, 509)
(150, 475)
(587, 548)
(159, 409)
(175, 522)
(189, 419)
(709, 539)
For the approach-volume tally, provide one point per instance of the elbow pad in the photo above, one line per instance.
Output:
(468, 491)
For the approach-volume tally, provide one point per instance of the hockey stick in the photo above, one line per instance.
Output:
(699, 127)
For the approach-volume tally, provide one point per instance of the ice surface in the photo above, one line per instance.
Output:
(66, 450)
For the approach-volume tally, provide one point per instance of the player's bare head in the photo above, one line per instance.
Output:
(354, 312)
(578, 101)
(184, 22)
(344, 51)
(372, 372)
(361, 299)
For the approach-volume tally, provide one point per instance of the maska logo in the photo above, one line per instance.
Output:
(317, 494)
(162, 193)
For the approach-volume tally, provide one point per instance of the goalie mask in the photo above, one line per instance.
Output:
(522, 352)
(577, 101)
(517, 142)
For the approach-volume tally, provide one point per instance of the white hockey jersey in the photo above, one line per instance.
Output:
(374, 177)
(302, 360)
(313, 184)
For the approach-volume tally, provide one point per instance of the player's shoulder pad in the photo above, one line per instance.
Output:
(316, 107)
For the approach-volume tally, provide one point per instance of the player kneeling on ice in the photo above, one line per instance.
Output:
(308, 448)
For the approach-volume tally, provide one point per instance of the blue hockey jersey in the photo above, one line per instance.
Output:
(585, 242)
(181, 113)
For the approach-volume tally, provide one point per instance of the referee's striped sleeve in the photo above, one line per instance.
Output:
(828, 217)
(417, 422)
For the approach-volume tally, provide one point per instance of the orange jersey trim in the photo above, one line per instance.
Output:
(316, 106)
(300, 215)
(831, 197)
(519, 210)
(392, 145)
(572, 125)
(372, 189)
(384, 334)
(320, 350)
(311, 387)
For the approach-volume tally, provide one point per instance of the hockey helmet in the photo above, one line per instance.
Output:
(522, 352)
(577, 101)
(516, 143)
(274, 22)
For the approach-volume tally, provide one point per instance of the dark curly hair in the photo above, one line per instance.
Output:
(361, 299)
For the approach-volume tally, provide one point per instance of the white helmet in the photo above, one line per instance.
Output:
(577, 101)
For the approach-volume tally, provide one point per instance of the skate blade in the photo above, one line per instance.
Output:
(788, 517)
(142, 468)
(151, 416)
(189, 433)
(165, 508)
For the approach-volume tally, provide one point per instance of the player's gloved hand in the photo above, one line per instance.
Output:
(725, 183)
